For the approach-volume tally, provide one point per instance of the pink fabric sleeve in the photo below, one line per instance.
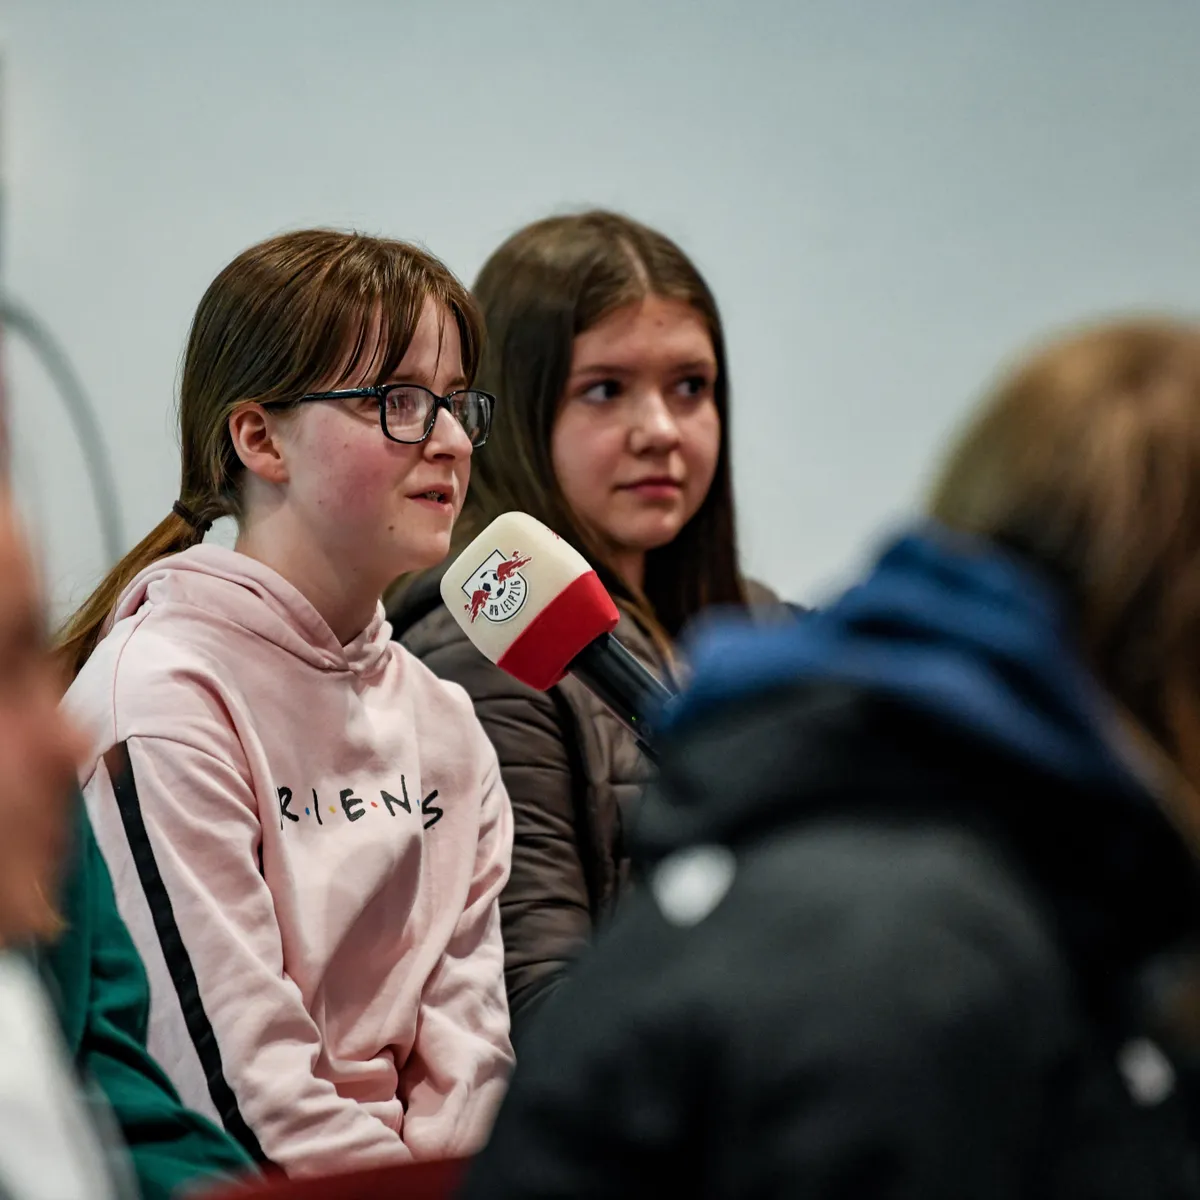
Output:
(456, 1076)
(202, 822)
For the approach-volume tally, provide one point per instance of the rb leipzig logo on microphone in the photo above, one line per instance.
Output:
(497, 590)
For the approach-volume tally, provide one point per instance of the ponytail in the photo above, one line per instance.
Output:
(83, 631)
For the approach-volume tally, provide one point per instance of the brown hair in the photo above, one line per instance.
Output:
(545, 285)
(276, 323)
(1086, 461)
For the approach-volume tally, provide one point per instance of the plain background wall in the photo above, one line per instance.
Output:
(887, 197)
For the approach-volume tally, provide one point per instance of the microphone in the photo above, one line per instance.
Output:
(532, 604)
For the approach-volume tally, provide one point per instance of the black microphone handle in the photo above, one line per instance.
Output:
(619, 680)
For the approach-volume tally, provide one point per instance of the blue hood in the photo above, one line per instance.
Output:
(950, 627)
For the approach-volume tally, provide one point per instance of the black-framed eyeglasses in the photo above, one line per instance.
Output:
(408, 411)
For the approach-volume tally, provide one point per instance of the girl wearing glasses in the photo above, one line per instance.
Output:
(608, 348)
(307, 831)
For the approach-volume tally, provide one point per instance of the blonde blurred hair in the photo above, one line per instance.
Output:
(1085, 460)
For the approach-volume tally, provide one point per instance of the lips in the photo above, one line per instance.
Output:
(653, 483)
(435, 495)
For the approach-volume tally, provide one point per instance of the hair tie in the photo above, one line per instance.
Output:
(185, 514)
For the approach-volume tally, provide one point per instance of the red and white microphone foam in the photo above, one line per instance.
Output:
(533, 604)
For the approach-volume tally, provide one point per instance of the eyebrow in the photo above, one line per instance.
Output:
(457, 384)
(697, 364)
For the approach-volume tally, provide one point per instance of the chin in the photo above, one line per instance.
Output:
(650, 535)
(421, 553)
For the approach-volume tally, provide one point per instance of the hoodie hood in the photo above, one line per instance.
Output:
(946, 626)
(233, 587)
(945, 688)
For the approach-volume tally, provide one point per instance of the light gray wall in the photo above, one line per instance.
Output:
(886, 196)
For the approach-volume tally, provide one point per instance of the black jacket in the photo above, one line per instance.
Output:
(911, 929)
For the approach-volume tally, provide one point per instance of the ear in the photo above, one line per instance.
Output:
(255, 436)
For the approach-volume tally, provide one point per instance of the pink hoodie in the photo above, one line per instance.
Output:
(310, 867)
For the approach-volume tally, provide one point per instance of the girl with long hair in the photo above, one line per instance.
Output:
(307, 831)
(607, 345)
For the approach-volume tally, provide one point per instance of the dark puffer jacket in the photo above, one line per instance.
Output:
(913, 926)
(574, 774)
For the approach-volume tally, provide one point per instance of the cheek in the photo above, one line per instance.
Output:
(34, 796)
(586, 454)
(700, 444)
(356, 477)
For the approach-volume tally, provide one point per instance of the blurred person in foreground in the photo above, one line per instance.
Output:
(84, 1110)
(49, 1144)
(920, 868)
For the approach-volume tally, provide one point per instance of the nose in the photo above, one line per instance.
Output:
(448, 439)
(654, 430)
(66, 744)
